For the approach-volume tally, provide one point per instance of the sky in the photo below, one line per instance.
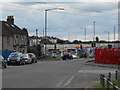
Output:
(67, 24)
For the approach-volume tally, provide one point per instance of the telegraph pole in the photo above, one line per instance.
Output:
(36, 36)
(94, 31)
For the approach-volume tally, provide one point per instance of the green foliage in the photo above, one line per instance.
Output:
(116, 82)
(35, 49)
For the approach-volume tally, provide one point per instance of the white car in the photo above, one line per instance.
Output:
(74, 56)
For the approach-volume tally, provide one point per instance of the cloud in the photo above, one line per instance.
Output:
(60, 23)
(60, 1)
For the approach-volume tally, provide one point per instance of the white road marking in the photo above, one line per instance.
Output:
(96, 71)
(68, 82)
(60, 84)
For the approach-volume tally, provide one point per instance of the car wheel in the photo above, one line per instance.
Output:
(8, 63)
(5, 66)
(19, 63)
(35, 61)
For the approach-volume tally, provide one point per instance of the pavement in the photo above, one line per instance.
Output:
(92, 63)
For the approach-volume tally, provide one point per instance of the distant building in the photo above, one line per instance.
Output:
(33, 40)
(13, 37)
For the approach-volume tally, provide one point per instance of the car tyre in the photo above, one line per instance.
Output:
(5, 66)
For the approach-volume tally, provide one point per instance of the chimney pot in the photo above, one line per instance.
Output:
(10, 19)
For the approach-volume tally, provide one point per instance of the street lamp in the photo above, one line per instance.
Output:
(94, 31)
(46, 24)
(46, 17)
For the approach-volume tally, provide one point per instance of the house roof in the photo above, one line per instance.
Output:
(11, 29)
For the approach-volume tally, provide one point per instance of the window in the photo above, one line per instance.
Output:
(8, 40)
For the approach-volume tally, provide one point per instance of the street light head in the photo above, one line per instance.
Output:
(61, 8)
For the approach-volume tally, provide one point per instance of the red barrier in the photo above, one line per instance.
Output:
(107, 56)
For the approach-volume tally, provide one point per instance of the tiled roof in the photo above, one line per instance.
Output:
(10, 29)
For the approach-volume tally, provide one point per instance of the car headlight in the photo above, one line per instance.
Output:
(8, 59)
(18, 59)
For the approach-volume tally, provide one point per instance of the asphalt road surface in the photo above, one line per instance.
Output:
(53, 74)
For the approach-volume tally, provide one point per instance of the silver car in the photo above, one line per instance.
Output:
(26, 58)
(3, 62)
(15, 58)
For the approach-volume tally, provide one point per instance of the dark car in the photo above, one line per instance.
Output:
(3, 62)
(26, 58)
(67, 56)
(33, 57)
(15, 58)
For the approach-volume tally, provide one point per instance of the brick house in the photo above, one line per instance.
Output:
(13, 37)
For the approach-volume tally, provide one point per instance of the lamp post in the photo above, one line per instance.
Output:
(94, 31)
(114, 33)
(46, 17)
(45, 30)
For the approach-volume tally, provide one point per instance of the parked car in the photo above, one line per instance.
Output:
(67, 56)
(3, 62)
(27, 58)
(33, 57)
(74, 56)
(15, 58)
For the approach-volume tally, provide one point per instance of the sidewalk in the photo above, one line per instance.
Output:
(92, 63)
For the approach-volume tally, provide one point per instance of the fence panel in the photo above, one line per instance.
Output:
(6, 53)
(107, 56)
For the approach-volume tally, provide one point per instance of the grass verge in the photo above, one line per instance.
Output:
(116, 82)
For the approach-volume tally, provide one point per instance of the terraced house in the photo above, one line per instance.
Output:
(13, 37)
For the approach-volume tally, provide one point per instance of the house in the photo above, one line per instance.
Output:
(34, 41)
(13, 37)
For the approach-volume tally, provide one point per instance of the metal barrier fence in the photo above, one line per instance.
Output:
(106, 82)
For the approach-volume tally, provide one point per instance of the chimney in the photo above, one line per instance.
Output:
(10, 20)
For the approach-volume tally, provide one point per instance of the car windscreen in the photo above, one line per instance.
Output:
(14, 55)
(25, 55)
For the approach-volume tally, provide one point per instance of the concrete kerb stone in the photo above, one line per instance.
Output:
(92, 63)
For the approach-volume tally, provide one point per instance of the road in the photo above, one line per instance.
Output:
(53, 74)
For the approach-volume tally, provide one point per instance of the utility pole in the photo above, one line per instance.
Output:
(85, 34)
(94, 31)
(114, 36)
(36, 36)
(108, 37)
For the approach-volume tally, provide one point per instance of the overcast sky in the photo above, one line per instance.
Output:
(68, 23)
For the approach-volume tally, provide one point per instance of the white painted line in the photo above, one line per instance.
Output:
(60, 84)
(96, 71)
(68, 82)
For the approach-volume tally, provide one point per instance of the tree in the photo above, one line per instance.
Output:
(97, 39)
(75, 42)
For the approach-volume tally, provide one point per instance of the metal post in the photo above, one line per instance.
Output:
(85, 34)
(114, 33)
(114, 88)
(116, 74)
(45, 31)
(109, 76)
(45, 22)
(94, 31)
(36, 36)
(108, 36)
(108, 85)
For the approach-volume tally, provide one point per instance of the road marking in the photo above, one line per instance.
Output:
(96, 71)
(68, 82)
(60, 84)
